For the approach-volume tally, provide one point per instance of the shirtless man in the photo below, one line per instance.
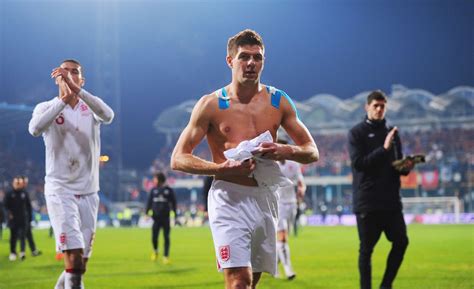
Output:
(242, 215)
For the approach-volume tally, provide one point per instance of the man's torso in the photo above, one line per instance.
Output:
(240, 121)
(161, 198)
(291, 170)
(72, 151)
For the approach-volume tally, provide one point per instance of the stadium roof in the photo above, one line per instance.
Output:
(326, 112)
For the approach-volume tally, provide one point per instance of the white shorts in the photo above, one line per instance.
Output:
(243, 223)
(74, 220)
(286, 215)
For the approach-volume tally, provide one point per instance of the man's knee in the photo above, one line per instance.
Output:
(75, 259)
(282, 236)
(401, 244)
(238, 278)
(365, 250)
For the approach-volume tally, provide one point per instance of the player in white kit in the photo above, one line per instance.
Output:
(287, 206)
(70, 126)
(242, 212)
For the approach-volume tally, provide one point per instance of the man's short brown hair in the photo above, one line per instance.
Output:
(376, 95)
(73, 61)
(244, 37)
(160, 177)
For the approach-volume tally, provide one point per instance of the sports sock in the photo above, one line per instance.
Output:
(73, 279)
(284, 256)
(60, 282)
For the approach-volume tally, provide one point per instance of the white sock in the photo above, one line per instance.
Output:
(73, 281)
(284, 256)
(60, 282)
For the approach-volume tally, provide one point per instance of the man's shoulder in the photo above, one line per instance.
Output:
(359, 126)
(46, 103)
(209, 100)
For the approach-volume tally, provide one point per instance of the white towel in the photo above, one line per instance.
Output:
(267, 173)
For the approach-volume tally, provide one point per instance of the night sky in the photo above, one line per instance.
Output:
(166, 52)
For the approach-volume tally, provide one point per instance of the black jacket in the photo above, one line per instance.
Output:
(376, 184)
(161, 201)
(18, 205)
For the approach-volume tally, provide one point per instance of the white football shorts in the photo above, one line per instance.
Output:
(243, 222)
(74, 220)
(286, 215)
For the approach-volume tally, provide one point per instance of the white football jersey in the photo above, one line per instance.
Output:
(291, 170)
(72, 141)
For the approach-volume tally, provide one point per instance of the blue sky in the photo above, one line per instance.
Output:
(156, 54)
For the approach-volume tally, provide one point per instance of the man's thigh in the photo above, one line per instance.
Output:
(88, 208)
(395, 228)
(369, 229)
(65, 219)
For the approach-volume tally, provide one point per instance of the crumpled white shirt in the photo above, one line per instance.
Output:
(267, 173)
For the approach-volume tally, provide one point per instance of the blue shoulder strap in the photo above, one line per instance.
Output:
(276, 95)
(223, 99)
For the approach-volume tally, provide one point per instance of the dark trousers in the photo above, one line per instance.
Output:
(29, 238)
(159, 223)
(370, 226)
(17, 233)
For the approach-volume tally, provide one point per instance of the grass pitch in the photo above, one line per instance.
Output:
(438, 257)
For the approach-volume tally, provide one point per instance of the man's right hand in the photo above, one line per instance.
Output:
(236, 168)
(387, 145)
(66, 94)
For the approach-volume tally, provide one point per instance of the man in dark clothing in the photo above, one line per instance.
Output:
(373, 146)
(28, 231)
(2, 212)
(161, 201)
(18, 206)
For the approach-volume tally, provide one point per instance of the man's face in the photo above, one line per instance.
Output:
(247, 64)
(17, 184)
(376, 109)
(76, 72)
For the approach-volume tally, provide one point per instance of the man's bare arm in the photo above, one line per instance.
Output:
(304, 151)
(182, 158)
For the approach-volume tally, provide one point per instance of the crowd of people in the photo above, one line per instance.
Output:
(452, 160)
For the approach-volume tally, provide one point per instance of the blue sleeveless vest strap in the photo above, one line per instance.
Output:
(275, 96)
(223, 99)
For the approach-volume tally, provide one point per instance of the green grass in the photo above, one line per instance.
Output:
(438, 257)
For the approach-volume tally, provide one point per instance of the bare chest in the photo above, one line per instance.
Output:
(244, 121)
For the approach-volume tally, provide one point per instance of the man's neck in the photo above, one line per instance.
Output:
(244, 92)
(73, 102)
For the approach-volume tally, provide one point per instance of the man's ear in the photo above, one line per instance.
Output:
(83, 82)
(229, 59)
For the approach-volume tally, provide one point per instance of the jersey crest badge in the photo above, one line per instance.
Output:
(224, 253)
(62, 239)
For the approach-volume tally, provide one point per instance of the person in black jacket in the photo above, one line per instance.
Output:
(373, 146)
(18, 206)
(161, 202)
(2, 212)
(28, 231)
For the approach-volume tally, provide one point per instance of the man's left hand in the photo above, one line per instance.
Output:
(274, 151)
(67, 77)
